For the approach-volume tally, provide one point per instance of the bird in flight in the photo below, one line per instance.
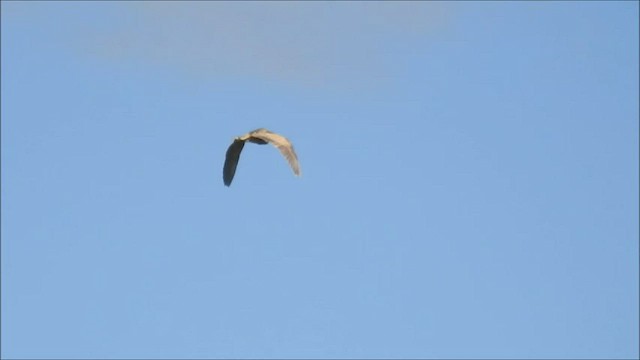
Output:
(261, 137)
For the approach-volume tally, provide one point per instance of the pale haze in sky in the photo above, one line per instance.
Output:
(469, 181)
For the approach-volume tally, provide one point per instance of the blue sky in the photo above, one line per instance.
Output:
(469, 180)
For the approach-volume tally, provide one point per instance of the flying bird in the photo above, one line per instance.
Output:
(261, 137)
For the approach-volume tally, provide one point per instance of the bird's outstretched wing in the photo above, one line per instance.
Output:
(231, 161)
(282, 143)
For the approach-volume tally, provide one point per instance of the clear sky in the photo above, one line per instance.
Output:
(469, 181)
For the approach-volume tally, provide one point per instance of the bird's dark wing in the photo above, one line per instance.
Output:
(283, 144)
(231, 161)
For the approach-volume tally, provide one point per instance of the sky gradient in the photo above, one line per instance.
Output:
(469, 181)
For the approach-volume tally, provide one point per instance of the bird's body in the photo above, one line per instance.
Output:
(261, 137)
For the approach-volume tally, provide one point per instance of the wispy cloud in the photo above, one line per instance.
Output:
(304, 42)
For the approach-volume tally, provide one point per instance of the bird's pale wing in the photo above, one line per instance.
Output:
(231, 161)
(283, 144)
